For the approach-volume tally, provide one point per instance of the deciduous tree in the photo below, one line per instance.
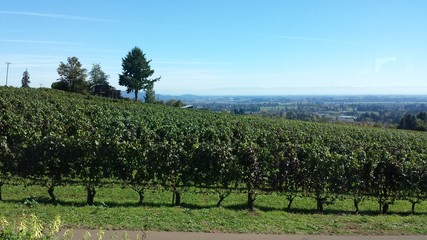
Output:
(149, 93)
(72, 76)
(98, 81)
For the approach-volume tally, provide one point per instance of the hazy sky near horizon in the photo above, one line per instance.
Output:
(226, 47)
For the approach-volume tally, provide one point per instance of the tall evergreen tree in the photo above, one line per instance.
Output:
(25, 79)
(408, 121)
(136, 72)
(149, 93)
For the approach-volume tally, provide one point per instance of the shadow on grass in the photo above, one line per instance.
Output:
(237, 207)
(240, 207)
(33, 201)
(196, 207)
(338, 212)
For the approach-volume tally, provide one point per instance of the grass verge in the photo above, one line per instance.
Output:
(116, 208)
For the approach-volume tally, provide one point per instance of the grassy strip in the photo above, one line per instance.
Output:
(116, 208)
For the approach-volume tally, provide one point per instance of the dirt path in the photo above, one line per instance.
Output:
(132, 235)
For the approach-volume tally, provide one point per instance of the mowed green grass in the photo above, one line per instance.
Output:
(116, 208)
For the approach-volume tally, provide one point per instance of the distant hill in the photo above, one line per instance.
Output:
(162, 97)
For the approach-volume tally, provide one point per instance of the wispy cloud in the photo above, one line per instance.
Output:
(57, 16)
(381, 62)
(37, 42)
(189, 62)
(319, 40)
(182, 62)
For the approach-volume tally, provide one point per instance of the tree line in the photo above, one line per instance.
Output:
(53, 138)
(74, 77)
(414, 122)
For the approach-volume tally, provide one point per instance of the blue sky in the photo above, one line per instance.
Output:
(226, 47)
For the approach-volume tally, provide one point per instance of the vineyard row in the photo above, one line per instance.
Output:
(49, 136)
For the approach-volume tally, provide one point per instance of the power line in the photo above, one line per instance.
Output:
(7, 71)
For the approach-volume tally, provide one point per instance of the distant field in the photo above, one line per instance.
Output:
(116, 208)
(276, 108)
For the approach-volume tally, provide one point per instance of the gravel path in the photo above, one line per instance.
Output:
(132, 235)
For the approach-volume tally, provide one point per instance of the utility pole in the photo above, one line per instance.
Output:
(7, 71)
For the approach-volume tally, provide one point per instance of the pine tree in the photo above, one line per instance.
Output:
(136, 72)
(25, 79)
